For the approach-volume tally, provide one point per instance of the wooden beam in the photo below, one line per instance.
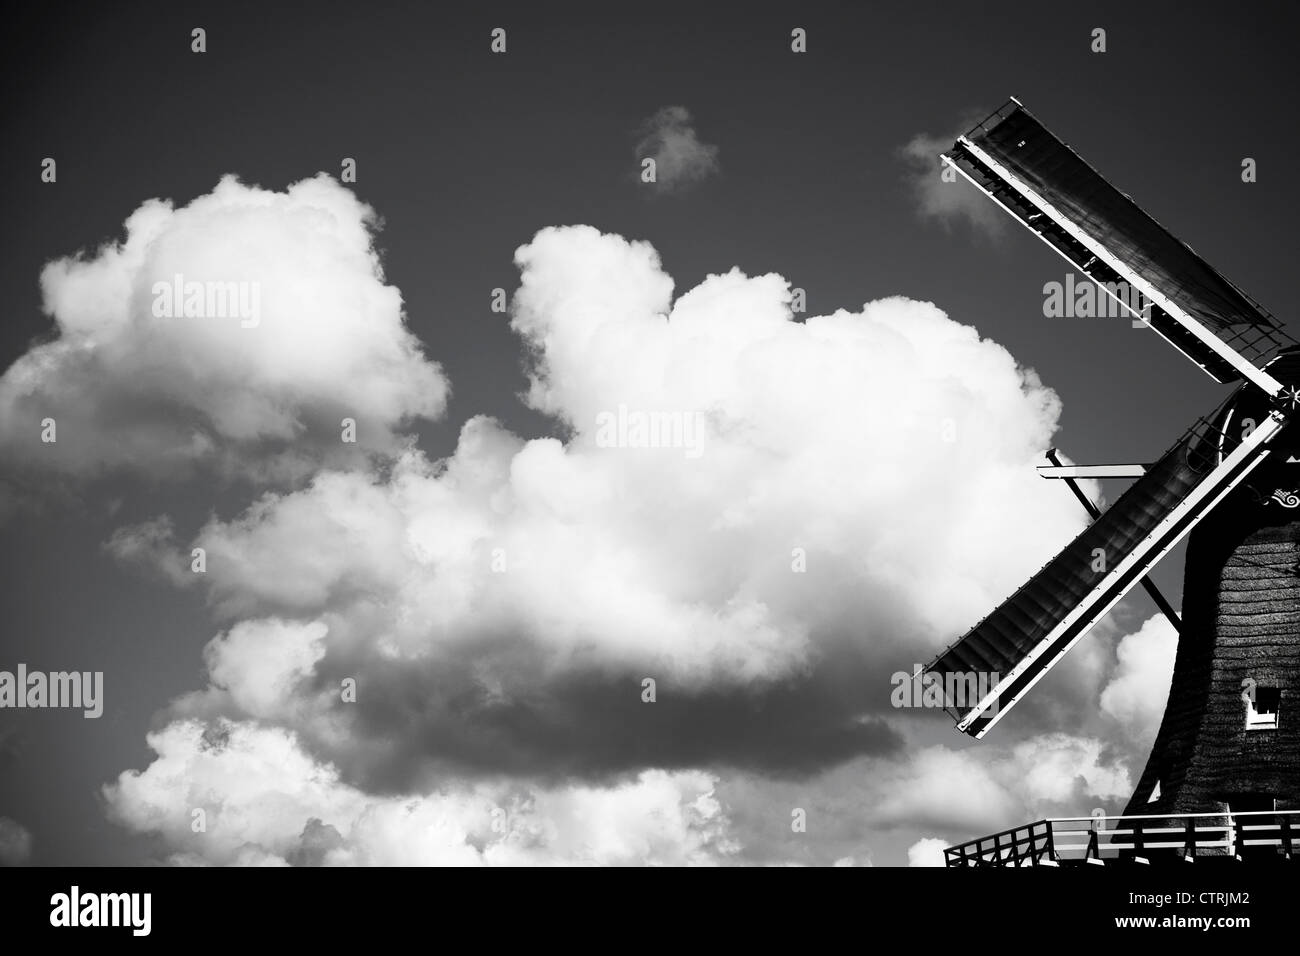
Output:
(1092, 471)
(1148, 585)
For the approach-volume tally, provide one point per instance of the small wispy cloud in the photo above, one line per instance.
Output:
(151, 547)
(948, 199)
(680, 159)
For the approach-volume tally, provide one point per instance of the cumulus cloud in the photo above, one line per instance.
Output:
(928, 851)
(501, 610)
(511, 599)
(668, 137)
(940, 788)
(993, 786)
(285, 327)
(264, 801)
(1062, 769)
(953, 793)
(15, 843)
(942, 200)
(1139, 689)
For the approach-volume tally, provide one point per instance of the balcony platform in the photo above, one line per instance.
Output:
(1256, 837)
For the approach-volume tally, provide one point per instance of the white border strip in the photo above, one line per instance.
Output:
(1092, 471)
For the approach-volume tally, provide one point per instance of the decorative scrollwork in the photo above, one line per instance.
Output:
(1287, 499)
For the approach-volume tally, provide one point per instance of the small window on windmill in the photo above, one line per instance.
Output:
(1262, 712)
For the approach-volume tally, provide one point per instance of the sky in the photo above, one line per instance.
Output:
(494, 563)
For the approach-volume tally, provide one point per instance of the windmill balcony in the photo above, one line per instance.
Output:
(1256, 836)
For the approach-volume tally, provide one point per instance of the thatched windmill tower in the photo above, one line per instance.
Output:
(1229, 742)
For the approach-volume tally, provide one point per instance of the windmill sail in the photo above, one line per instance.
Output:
(1015, 646)
(1046, 185)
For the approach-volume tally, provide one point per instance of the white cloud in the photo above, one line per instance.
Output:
(1061, 768)
(130, 389)
(829, 436)
(878, 806)
(940, 788)
(15, 843)
(499, 609)
(953, 199)
(267, 802)
(1139, 689)
(990, 787)
(151, 546)
(263, 663)
(669, 139)
(928, 851)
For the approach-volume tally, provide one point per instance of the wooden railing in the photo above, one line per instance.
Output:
(1030, 845)
(1262, 834)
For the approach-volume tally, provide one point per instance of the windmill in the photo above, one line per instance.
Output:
(1229, 741)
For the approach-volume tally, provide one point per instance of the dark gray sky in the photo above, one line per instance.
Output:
(466, 155)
